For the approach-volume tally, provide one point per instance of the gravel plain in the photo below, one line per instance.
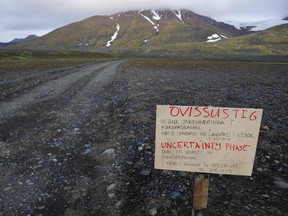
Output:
(80, 140)
(142, 86)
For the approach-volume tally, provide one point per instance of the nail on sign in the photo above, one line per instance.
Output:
(206, 139)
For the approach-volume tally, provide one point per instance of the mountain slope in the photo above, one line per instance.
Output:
(79, 34)
(273, 41)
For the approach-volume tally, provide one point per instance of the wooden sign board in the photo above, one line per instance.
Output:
(206, 139)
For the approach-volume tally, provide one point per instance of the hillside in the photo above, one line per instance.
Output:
(273, 41)
(161, 32)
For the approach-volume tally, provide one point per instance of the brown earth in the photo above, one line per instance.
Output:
(56, 125)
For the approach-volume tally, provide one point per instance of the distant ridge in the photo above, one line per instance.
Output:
(19, 40)
(28, 38)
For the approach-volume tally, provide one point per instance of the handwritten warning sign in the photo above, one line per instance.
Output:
(206, 139)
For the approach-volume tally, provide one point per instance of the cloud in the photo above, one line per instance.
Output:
(20, 18)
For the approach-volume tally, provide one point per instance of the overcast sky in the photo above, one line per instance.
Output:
(19, 18)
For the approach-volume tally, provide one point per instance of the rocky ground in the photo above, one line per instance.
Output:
(80, 140)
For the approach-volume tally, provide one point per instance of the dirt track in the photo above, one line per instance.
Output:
(55, 126)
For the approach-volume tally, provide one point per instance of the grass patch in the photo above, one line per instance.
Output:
(23, 60)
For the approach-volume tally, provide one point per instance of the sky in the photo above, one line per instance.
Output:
(20, 18)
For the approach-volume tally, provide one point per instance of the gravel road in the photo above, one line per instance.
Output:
(80, 140)
(55, 126)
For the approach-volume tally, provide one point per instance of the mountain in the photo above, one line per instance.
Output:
(19, 40)
(161, 33)
(285, 18)
(136, 28)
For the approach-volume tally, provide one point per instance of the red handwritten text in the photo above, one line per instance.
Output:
(195, 145)
(213, 112)
(217, 146)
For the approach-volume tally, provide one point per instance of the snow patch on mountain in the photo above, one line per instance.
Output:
(114, 36)
(155, 26)
(87, 43)
(156, 16)
(178, 14)
(147, 18)
(215, 37)
(84, 43)
(223, 36)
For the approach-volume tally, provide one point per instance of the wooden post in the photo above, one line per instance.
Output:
(201, 186)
